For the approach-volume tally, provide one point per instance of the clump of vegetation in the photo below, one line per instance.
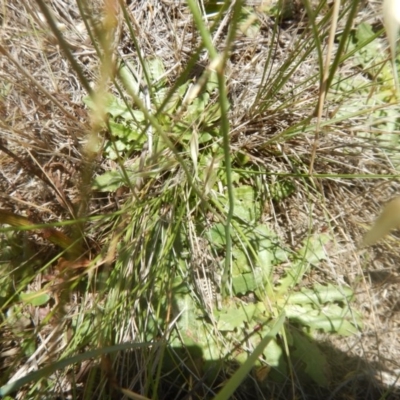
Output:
(173, 229)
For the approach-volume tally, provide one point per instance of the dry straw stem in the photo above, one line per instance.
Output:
(391, 20)
(324, 84)
(388, 220)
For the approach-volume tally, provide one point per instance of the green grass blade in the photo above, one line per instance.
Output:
(343, 40)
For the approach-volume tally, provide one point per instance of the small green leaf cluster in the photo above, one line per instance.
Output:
(128, 124)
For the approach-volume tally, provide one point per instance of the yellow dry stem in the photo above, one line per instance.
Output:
(387, 221)
(391, 20)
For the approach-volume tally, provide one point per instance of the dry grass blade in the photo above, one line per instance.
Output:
(324, 81)
(36, 83)
(391, 20)
(50, 234)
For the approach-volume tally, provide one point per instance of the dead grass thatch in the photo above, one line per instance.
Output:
(44, 125)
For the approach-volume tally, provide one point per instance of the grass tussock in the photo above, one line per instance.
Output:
(184, 190)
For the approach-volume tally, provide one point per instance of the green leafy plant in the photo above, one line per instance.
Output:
(187, 275)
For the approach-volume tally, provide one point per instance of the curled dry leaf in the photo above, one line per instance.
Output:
(388, 220)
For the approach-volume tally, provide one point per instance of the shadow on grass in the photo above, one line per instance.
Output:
(185, 375)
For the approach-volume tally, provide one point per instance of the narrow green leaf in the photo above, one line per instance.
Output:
(247, 282)
(330, 318)
(320, 294)
(239, 314)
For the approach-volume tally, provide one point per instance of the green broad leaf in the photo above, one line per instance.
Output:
(280, 190)
(183, 136)
(199, 334)
(242, 158)
(264, 234)
(293, 275)
(128, 139)
(179, 285)
(321, 294)
(212, 82)
(35, 298)
(369, 53)
(268, 251)
(368, 48)
(267, 258)
(312, 252)
(205, 137)
(175, 99)
(159, 96)
(245, 206)
(216, 235)
(193, 332)
(114, 150)
(115, 107)
(212, 114)
(186, 306)
(130, 114)
(314, 248)
(240, 261)
(364, 32)
(231, 385)
(237, 315)
(248, 282)
(155, 69)
(110, 181)
(309, 354)
(28, 346)
(119, 130)
(126, 133)
(274, 354)
(195, 111)
(236, 177)
(330, 318)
